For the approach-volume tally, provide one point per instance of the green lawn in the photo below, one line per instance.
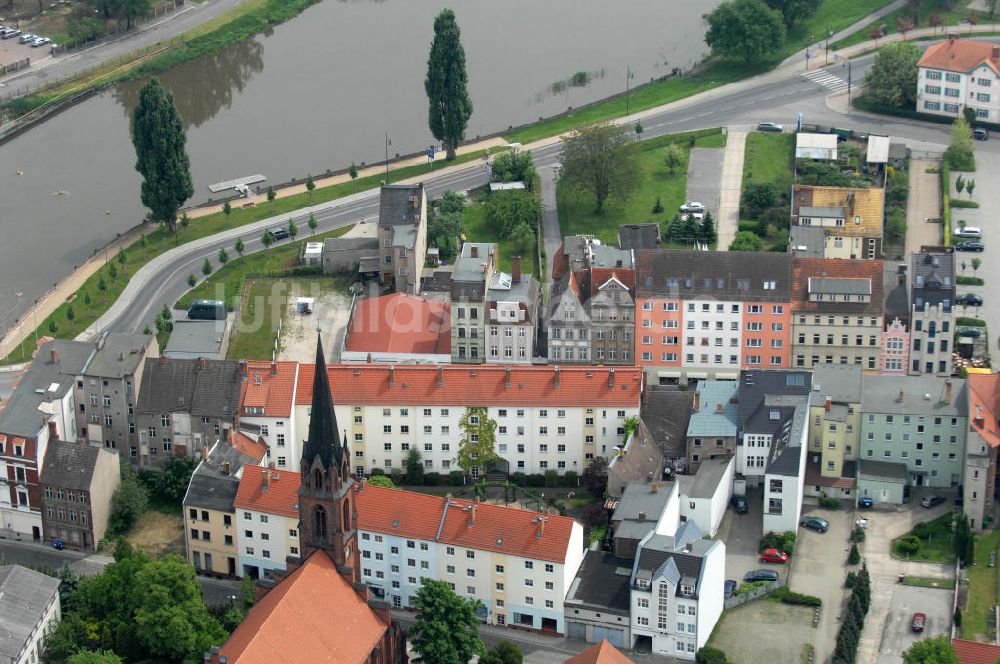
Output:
(978, 614)
(949, 15)
(937, 547)
(769, 158)
(479, 229)
(927, 582)
(576, 209)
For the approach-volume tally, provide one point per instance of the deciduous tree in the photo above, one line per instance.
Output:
(937, 650)
(511, 209)
(745, 29)
(414, 468)
(959, 155)
(892, 79)
(446, 629)
(746, 241)
(94, 657)
(793, 11)
(674, 157)
(239, 247)
(595, 476)
(446, 84)
(596, 159)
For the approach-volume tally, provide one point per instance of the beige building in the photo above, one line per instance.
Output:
(851, 219)
(402, 236)
(78, 483)
(834, 430)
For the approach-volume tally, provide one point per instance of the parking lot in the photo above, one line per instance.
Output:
(897, 635)
(704, 180)
(12, 50)
(742, 533)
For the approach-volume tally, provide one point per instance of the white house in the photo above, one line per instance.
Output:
(518, 563)
(786, 473)
(29, 604)
(267, 519)
(677, 592)
(959, 73)
(266, 407)
(705, 495)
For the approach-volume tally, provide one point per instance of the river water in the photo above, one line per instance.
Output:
(317, 93)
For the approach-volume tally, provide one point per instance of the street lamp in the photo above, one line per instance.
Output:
(628, 76)
(232, 601)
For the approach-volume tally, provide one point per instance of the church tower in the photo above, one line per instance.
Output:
(326, 503)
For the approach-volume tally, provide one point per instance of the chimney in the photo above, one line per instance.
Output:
(719, 407)
(642, 514)
(555, 376)
(267, 478)
(440, 381)
(204, 454)
(201, 363)
(655, 488)
(829, 403)
(947, 391)
(697, 401)
(540, 521)
(515, 269)
(53, 432)
(899, 399)
(474, 251)
(225, 468)
(471, 509)
(506, 377)
(392, 375)
(244, 368)
(230, 436)
(274, 368)
(611, 377)
(53, 355)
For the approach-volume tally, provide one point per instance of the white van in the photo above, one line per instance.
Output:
(969, 231)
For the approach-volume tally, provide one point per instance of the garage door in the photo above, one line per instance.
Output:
(615, 637)
(576, 630)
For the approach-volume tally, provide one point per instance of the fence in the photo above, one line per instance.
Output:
(15, 66)
(756, 593)
(118, 30)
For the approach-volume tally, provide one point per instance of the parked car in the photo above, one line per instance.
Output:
(968, 231)
(729, 588)
(760, 575)
(866, 503)
(918, 622)
(980, 134)
(969, 300)
(817, 523)
(27, 38)
(970, 245)
(931, 501)
(40, 41)
(971, 332)
(279, 232)
(770, 126)
(10, 33)
(774, 556)
(740, 504)
(693, 206)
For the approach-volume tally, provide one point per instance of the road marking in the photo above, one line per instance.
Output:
(826, 79)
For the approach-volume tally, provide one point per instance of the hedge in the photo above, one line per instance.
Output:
(965, 321)
(789, 597)
(864, 103)
(969, 281)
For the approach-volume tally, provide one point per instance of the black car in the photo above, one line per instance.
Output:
(971, 332)
(970, 245)
(817, 523)
(729, 588)
(931, 501)
(980, 134)
(279, 233)
(969, 300)
(760, 575)
(740, 504)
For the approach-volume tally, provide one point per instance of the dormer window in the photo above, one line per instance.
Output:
(687, 590)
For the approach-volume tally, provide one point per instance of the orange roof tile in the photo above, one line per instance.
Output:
(836, 268)
(482, 385)
(961, 55)
(270, 386)
(984, 406)
(313, 615)
(281, 496)
(857, 202)
(600, 275)
(400, 323)
(600, 653)
(970, 652)
(255, 448)
(495, 528)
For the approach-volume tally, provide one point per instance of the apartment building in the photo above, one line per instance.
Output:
(710, 314)
(932, 298)
(785, 473)
(850, 219)
(917, 423)
(548, 418)
(266, 404)
(838, 312)
(210, 527)
(711, 431)
(834, 430)
(894, 355)
(981, 447)
(512, 306)
(470, 279)
(959, 73)
(29, 603)
(766, 404)
(267, 520)
(402, 234)
(568, 323)
(518, 563)
(78, 483)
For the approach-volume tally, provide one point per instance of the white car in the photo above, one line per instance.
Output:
(40, 41)
(28, 37)
(693, 206)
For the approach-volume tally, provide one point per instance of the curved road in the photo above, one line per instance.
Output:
(777, 96)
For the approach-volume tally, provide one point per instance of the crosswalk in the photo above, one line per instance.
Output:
(826, 79)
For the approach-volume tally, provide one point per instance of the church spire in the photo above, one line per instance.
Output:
(323, 440)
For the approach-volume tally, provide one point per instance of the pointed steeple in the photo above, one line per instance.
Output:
(324, 439)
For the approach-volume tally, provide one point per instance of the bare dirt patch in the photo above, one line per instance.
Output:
(764, 631)
(157, 533)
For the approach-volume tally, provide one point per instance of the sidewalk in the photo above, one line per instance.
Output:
(728, 222)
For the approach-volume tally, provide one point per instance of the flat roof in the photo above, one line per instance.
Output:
(192, 339)
(878, 150)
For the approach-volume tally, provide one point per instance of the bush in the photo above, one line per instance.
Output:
(571, 479)
(551, 478)
(966, 321)
(922, 530)
(858, 534)
(851, 580)
(456, 478)
(969, 281)
(709, 655)
(908, 545)
(376, 472)
(518, 478)
(594, 514)
(536, 480)
(957, 203)
(830, 503)
(781, 541)
(432, 479)
(854, 557)
(788, 597)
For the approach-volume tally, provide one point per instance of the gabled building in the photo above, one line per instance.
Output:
(834, 430)
(600, 653)
(267, 520)
(78, 483)
(638, 460)
(470, 280)
(30, 610)
(266, 410)
(568, 322)
(785, 474)
(932, 298)
(712, 428)
(767, 401)
(894, 356)
(837, 312)
(958, 73)
(644, 507)
(851, 218)
(511, 307)
(981, 447)
(705, 495)
(402, 236)
(666, 413)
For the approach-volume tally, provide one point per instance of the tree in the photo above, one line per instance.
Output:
(597, 160)
(708, 234)
(446, 628)
(227, 210)
(792, 11)
(128, 502)
(206, 267)
(102, 286)
(638, 129)
(959, 155)
(70, 313)
(904, 24)
(192, 280)
(935, 21)
(293, 230)
(161, 157)
(514, 166)
(746, 29)
(122, 258)
(937, 650)
(165, 313)
(522, 239)
(449, 103)
(69, 581)
(239, 247)
(271, 195)
(969, 114)
(746, 241)
(223, 256)
(709, 655)
(892, 78)
(959, 183)
(267, 240)
(94, 657)
(510, 209)
(970, 186)
(353, 172)
(854, 557)
(312, 223)
(310, 185)
(478, 438)
(505, 652)
(595, 476)
(113, 272)
(674, 157)
(383, 481)
(87, 300)
(759, 197)
(414, 468)
(896, 222)
(976, 264)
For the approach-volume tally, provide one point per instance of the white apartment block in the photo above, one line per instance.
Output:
(712, 335)
(959, 73)
(267, 520)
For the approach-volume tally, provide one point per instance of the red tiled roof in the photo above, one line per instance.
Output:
(313, 615)
(984, 406)
(836, 268)
(255, 448)
(494, 528)
(281, 496)
(600, 275)
(600, 653)
(961, 55)
(270, 386)
(970, 652)
(400, 323)
(480, 385)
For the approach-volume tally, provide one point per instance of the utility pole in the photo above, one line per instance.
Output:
(387, 144)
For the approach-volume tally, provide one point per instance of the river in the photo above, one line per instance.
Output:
(317, 93)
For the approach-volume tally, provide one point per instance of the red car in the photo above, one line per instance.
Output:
(774, 556)
(919, 620)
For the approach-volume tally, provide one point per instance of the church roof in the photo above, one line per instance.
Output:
(323, 440)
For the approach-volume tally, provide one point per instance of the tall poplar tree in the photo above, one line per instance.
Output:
(161, 158)
(450, 105)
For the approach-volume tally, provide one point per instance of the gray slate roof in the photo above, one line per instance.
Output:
(840, 382)
(642, 459)
(43, 382)
(118, 355)
(639, 498)
(758, 384)
(922, 395)
(809, 211)
(896, 293)
(395, 206)
(24, 596)
(666, 414)
(211, 486)
(469, 268)
(933, 278)
(706, 480)
(722, 275)
(639, 236)
(70, 465)
(173, 386)
(687, 564)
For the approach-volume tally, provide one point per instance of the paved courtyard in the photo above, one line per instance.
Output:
(907, 600)
(704, 177)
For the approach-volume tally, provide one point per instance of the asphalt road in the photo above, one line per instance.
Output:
(778, 97)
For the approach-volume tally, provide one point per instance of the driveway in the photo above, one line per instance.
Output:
(704, 178)
(742, 533)
(897, 635)
(923, 206)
